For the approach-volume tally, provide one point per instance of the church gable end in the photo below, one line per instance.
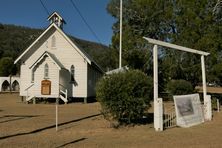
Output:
(56, 42)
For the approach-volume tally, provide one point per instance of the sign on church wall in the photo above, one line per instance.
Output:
(189, 110)
(46, 87)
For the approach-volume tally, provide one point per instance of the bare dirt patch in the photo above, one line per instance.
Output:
(81, 125)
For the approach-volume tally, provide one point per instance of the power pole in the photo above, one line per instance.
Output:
(120, 37)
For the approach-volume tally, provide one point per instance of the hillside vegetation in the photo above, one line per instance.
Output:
(15, 39)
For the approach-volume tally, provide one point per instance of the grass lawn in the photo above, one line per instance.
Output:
(81, 125)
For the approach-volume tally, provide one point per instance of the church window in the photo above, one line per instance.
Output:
(72, 73)
(53, 41)
(46, 71)
(32, 76)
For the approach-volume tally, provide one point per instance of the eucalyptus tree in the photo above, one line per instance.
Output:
(187, 23)
(217, 11)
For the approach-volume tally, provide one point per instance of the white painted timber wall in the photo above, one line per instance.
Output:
(53, 77)
(25, 77)
(68, 56)
(65, 53)
(34, 88)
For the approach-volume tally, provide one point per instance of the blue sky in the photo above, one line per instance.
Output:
(30, 13)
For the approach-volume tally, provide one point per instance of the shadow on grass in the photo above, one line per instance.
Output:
(48, 127)
(16, 117)
(81, 100)
(146, 119)
(72, 142)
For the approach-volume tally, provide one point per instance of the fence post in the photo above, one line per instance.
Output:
(158, 102)
(57, 101)
(66, 96)
(158, 116)
(207, 108)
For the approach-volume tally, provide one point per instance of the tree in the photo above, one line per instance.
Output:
(125, 96)
(179, 87)
(7, 67)
(217, 11)
(15, 39)
(215, 74)
(136, 24)
(186, 23)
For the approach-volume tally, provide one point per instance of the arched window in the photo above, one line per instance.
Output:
(46, 71)
(15, 86)
(72, 73)
(53, 42)
(32, 76)
(5, 86)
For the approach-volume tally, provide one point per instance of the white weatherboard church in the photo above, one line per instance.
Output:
(53, 66)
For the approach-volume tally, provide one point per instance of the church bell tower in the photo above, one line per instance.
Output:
(57, 19)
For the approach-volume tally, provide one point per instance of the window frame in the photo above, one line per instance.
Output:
(46, 71)
(53, 42)
(72, 74)
(32, 76)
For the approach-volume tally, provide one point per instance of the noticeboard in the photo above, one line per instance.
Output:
(46, 87)
(188, 110)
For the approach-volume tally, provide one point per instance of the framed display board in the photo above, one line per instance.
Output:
(189, 110)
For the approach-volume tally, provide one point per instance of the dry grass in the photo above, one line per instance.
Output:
(213, 90)
(27, 125)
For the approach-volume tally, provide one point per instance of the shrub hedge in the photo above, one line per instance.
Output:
(179, 87)
(124, 96)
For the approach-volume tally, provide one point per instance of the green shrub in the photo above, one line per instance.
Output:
(214, 103)
(179, 87)
(124, 96)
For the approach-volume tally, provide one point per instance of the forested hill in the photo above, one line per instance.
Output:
(15, 39)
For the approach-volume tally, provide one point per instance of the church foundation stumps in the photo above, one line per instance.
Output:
(34, 100)
(85, 100)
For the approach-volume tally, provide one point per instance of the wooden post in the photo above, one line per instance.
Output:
(26, 97)
(34, 100)
(120, 38)
(57, 101)
(203, 78)
(207, 99)
(85, 100)
(155, 73)
(158, 103)
(66, 93)
(22, 98)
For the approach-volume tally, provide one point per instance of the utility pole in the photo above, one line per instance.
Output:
(120, 37)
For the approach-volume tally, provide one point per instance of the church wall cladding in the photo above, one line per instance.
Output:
(53, 77)
(25, 76)
(68, 57)
(27, 61)
(65, 54)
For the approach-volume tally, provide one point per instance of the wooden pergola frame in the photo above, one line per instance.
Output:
(158, 107)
